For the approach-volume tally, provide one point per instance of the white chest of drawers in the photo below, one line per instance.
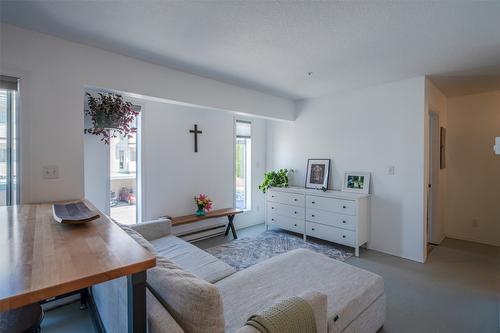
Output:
(335, 216)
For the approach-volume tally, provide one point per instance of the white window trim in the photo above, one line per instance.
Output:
(248, 189)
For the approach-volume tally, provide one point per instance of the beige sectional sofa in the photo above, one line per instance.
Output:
(192, 291)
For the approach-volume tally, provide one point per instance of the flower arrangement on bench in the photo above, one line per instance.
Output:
(204, 204)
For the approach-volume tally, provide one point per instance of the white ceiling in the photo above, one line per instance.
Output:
(270, 46)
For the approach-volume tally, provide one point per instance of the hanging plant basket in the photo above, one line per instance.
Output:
(111, 116)
(106, 121)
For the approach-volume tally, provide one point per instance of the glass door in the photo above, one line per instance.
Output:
(123, 177)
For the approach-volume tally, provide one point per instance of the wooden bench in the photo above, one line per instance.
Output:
(229, 212)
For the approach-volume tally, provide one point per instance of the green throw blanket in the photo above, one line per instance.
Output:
(292, 315)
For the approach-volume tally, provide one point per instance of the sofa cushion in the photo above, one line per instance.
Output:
(159, 320)
(138, 238)
(194, 303)
(349, 289)
(153, 229)
(111, 300)
(192, 259)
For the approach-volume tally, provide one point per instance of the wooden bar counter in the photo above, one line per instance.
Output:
(41, 258)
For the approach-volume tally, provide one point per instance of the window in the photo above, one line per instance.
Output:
(9, 193)
(121, 159)
(243, 162)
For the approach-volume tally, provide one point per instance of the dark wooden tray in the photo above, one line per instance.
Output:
(73, 213)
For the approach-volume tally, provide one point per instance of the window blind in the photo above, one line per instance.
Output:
(243, 129)
(8, 82)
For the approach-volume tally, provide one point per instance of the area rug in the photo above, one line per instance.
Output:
(248, 251)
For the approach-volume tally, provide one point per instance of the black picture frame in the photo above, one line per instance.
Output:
(319, 178)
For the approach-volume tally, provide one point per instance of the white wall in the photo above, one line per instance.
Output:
(436, 102)
(366, 130)
(173, 173)
(473, 168)
(54, 73)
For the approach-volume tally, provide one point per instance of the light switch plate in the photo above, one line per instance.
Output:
(391, 170)
(50, 172)
(497, 146)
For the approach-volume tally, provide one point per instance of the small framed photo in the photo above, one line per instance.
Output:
(356, 182)
(318, 171)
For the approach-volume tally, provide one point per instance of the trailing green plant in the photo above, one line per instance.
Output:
(111, 116)
(277, 178)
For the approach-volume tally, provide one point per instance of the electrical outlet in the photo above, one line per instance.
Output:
(391, 170)
(50, 172)
(475, 223)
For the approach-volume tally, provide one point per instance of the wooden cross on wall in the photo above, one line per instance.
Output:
(195, 132)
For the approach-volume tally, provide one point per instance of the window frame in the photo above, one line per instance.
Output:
(248, 165)
(13, 165)
(140, 200)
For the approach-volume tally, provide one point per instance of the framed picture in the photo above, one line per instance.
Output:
(318, 171)
(356, 182)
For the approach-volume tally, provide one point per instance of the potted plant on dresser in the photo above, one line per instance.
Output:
(278, 178)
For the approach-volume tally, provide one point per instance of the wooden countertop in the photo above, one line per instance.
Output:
(40, 258)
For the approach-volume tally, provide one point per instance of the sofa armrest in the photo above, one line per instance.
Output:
(318, 303)
(154, 229)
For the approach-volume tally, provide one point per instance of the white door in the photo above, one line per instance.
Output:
(434, 235)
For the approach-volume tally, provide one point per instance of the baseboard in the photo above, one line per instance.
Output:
(421, 261)
(246, 225)
(471, 239)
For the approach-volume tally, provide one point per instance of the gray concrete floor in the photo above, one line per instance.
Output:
(457, 290)
(68, 318)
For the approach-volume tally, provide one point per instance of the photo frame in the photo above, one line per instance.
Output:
(357, 182)
(318, 173)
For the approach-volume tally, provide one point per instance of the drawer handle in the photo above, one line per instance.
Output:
(344, 207)
(272, 196)
(312, 215)
(272, 207)
(272, 219)
(295, 199)
(313, 202)
(344, 222)
(295, 225)
(312, 229)
(343, 236)
(295, 212)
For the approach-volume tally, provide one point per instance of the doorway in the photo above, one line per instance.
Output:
(433, 228)
(123, 175)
